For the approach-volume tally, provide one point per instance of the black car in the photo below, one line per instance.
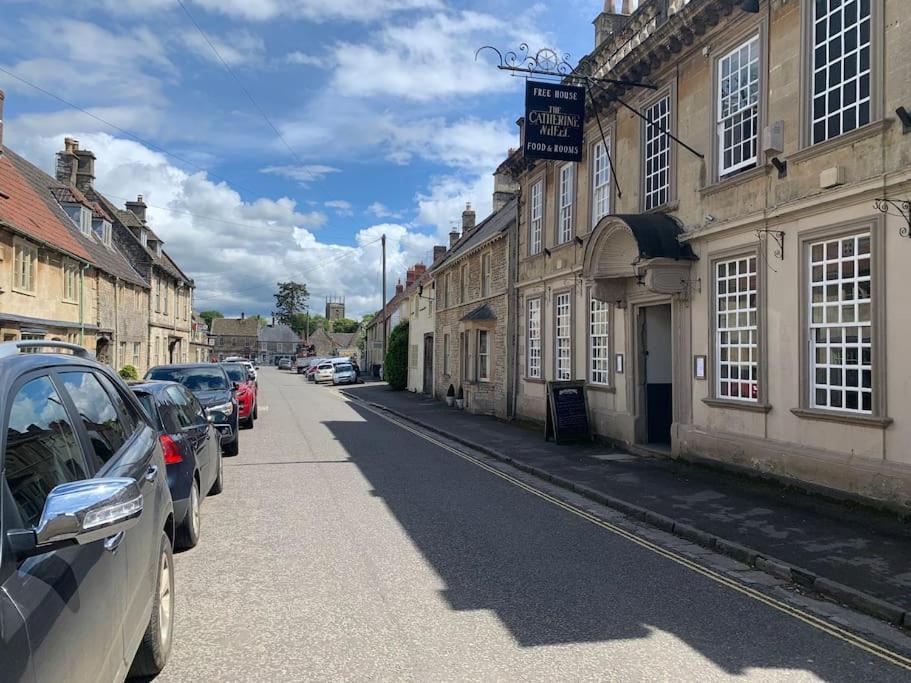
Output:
(86, 522)
(192, 453)
(210, 385)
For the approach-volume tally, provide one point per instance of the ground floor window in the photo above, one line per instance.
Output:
(562, 337)
(736, 330)
(445, 354)
(483, 356)
(136, 353)
(599, 342)
(534, 338)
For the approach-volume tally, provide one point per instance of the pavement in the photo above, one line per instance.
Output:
(856, 555)
(346, 546)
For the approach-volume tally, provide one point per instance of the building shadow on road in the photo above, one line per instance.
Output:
(552, 578)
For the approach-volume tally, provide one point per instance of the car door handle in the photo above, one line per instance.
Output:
(152, 473)
(112, 543)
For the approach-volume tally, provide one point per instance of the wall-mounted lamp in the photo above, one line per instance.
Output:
(905, 118)
(782, 167)
(751, 6)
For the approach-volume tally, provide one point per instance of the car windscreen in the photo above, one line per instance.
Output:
(236, 372)
(325, 366)
(194, 379)
(343, 367)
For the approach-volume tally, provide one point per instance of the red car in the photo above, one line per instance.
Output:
(246, 393)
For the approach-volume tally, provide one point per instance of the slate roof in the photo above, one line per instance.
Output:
(278, 333)
(22, 208)
(107, 258)
(482, 312)
(236, 327)
(492, 226)
(343, 340)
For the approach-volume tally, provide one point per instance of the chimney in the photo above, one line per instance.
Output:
(138, 208)
(409, 277)
(453, 237)
(438, 252)
(468, 218)
(613, 19)
(85, 169)
(2, 97)
(520, 122)
(242, 316)
(67, 162)
(419, 269)
(399, 288)
(504, 189)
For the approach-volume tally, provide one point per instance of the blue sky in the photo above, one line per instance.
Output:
(391, 124)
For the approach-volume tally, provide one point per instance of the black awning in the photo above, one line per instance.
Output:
(656, 234)
(482, 312)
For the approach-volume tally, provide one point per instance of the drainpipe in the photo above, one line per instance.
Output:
(116, 339)
(513, 273)
(82, 304)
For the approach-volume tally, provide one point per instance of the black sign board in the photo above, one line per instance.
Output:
(567, 412)
(554, 118)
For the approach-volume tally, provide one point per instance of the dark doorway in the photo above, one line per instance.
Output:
(656, 341)
(103, 351)
(174, 351)
(428, 364)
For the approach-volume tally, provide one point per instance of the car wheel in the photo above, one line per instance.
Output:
(218, 484)
(155, 647)
(232, 448)
(249, 423)
(188, 531)
(255, 410)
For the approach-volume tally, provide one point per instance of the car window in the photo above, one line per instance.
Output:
(195, 379)
(195, 408)
(99, 416)
(41, 448)
(181, 407)
(148, 404)
(129, 416)
(236, 372)
(343, 367)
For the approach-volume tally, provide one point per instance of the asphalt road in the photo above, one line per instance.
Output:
(347, 548)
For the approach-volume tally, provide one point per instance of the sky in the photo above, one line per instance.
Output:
(364, 117)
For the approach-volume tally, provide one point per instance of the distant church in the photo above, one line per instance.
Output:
(335, 307)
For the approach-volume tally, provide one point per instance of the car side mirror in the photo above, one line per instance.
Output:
(79, 513)
(210, 418)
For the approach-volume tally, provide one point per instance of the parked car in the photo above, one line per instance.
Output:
(301, 365)
(192, 452)
(245, 393)
(312, 367)
(251, 369)
(86, 573)
(343, 373)
(210, 385)
(324, 371)
(284, 363)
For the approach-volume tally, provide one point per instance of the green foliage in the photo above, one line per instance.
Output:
(345, 325)
(361, 340)
(209, 316)
(129, 372)
(290, 298)
(261, 320)
(395, 369)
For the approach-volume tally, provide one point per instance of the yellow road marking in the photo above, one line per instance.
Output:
(847, 636)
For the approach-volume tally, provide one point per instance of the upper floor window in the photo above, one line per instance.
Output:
(536, 224)
(565, 219)
(25, 264)
(445, 292)
(463, 283)
(841, 67)
(167, 290)
(158, 296)
(70, 281)
(485, 274)
(600, 182)
(657, 151)
(738, 108)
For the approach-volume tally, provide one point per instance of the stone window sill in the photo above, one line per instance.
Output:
(844, 418)
(856, 135)
(533, 380)
(667, 207)
(737, 405)
(604, 388)
(24, 291)
(728, 183)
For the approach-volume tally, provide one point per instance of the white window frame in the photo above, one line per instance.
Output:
(601, 181)
(736, 310)
(483, 356)
(566, 184)
(827, 101)
(599, 342)
(536, 218)
(485, 274)
(737, 106)
(446, 354)
(25, 267)
(70, 281)
(137, 353)
(835, 265)
(463, 283)
(656, 149)
(533, 339)
(563, 340)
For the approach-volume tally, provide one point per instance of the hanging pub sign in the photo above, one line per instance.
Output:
(554, 118)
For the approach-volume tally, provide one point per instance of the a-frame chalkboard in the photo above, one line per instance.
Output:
(567, 412)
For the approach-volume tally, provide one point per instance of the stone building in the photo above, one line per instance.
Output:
(418, 304)
(235, 337)
(472, 284)
(202, 344)
(732, 303)
(277, 340)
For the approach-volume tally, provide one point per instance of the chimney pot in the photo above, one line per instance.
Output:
(137, 208)
(409, 277)
(453, 238)
(242, 316)
(468, 218)
(399, 288)
(438, 251)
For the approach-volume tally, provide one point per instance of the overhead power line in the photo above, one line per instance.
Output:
(242, 87)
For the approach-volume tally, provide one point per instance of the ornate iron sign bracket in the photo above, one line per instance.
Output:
(896, 207)
(778, 236)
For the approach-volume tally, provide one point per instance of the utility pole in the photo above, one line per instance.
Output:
(383, 305)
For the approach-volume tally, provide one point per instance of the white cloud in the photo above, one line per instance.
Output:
(240, 47)
(382, 211)
(342, 207)
(304, 59)
(303, 174)
(443, 202)
(266, 10)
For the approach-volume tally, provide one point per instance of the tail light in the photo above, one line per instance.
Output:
(171, 452)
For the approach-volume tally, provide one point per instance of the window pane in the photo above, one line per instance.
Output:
(563, 338)
(737, 353)
(100, 418)
(534, 338)
(657, 154)
(41, 448)
(738, 109)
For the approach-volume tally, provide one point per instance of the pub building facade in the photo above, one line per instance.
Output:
(735, 305)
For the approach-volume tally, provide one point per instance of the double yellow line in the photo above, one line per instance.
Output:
(847, 636)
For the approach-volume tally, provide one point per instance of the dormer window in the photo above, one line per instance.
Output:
(102, 230)
(144, 238)
(81, 216)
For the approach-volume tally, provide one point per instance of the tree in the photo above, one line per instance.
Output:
(361, 340)
(345, 325)
(261, 320)
(209, 316)
(395, 369)
(290, 298)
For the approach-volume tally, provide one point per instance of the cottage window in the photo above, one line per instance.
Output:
(463, 283)
(738, 108)
(600, 182)
(445, 354)
(599, 341)
(158, 295)
(483, 356)
(445, 292)
(136, 353)
(737, 330)
(841, 368)
(536, 225)
(70, 281)
(167, 290)
(534, 339)
(25, 263)
(562, 338)
(565, 219)
(657, 154)
(485, 274)
(840, 67)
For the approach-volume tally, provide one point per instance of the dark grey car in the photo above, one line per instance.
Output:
(86, 523)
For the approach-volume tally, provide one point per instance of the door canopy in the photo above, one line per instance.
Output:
(642, 246)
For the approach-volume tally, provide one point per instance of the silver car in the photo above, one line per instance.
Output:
(343, 373)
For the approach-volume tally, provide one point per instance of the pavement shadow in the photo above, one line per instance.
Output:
(552, 579)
